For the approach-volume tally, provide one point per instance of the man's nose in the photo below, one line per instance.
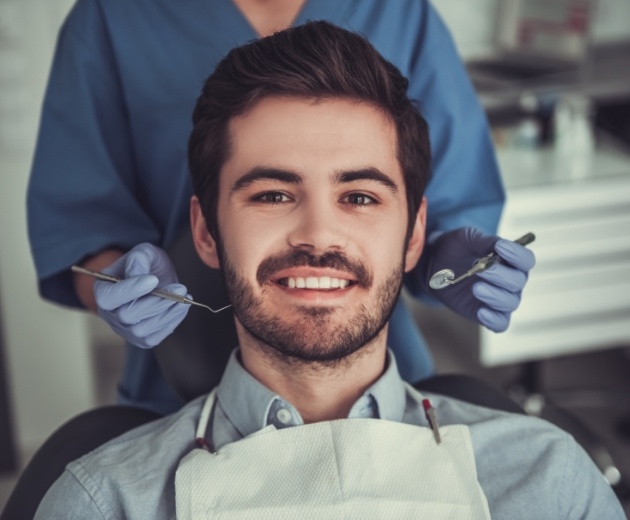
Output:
(318, 228)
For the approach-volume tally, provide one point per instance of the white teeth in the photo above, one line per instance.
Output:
(314, 282)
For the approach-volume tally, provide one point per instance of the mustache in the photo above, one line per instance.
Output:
(301, 258)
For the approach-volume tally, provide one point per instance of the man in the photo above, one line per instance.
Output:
(309, 163)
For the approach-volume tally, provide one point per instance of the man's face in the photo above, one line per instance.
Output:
(312, 216)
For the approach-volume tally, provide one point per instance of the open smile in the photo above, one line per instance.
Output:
(315, 282)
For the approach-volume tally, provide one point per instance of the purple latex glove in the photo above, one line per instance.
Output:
(488, 297)
(142, 319)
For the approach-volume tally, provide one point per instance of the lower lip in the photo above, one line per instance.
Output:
(316, 294)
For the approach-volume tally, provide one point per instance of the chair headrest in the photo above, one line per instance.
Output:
(194, 356)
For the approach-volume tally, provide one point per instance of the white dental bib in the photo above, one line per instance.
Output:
(343, 469)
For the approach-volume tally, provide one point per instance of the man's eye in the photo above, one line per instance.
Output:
(272, 197)
(359, 199)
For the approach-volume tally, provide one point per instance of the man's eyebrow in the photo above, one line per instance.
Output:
(370, 174)
(264, 173)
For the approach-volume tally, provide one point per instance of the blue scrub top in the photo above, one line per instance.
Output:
(110, 167)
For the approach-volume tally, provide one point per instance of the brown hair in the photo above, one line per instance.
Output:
(316, 60)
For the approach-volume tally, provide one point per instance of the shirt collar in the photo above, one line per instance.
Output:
(388, 392)
(246, 402)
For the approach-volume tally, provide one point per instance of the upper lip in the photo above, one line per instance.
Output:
(307, 272)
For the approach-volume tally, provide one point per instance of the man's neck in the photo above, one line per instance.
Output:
(319, 392)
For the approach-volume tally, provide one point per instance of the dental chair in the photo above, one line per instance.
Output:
(193, 359)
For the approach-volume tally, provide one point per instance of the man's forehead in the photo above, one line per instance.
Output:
(295, 133)
(273, 112)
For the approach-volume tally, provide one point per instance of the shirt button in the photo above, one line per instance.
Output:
(283, 415)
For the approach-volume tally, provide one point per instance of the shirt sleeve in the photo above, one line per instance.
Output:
(81, 195)
(584, 494)
(67, 499)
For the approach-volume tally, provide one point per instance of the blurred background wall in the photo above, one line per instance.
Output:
(46, 348)
(472, 24)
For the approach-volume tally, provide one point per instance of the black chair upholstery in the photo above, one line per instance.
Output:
(201, 345)
(470, 389)
(80, 435)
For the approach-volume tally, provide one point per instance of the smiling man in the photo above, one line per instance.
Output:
(313, 236)
(309, 164)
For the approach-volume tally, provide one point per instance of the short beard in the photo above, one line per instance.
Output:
(309, 338)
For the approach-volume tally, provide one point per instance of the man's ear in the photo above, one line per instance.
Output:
(205, 244)
(416, 241)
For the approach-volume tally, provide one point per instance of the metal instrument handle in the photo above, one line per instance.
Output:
(155, 292)
(485, 262)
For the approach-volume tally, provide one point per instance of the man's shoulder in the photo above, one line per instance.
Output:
(131, 476)
(503, 441)
(148, 452)
(527, 466)
(490, 425)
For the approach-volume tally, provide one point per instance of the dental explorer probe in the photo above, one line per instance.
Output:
(155, 292)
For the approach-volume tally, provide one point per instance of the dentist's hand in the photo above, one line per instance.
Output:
(489, 297)
(140, 318)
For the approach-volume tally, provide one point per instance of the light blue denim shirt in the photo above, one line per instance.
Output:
(528, 468)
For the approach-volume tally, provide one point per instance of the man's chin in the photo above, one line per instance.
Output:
(310, 342)
(316, 354)
(313, 311)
